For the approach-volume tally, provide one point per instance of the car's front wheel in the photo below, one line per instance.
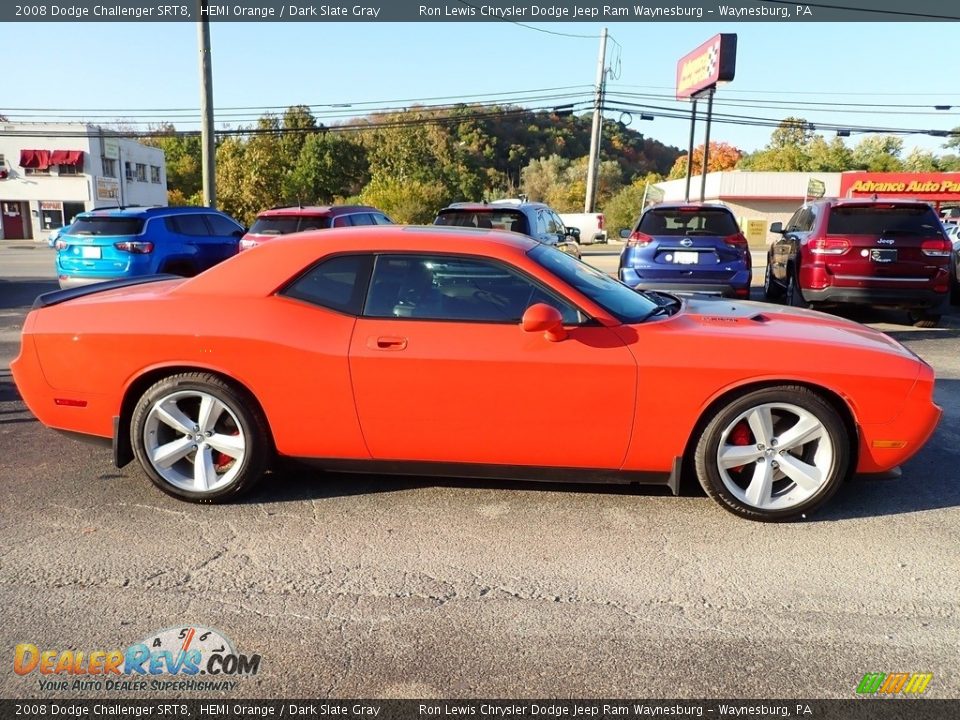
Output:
(773, 454)
(771, 290)
(199, 438)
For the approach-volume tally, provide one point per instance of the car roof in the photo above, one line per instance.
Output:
(691, 204)
(474, 206)
(834, 202)
(135, 211)
(261, 270)
(315, 210)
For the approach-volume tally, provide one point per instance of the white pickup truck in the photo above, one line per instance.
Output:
(591, 226)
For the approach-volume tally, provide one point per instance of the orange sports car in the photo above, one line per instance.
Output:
(453, 352)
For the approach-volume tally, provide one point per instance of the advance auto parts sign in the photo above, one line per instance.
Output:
(925, 186)
(714, 61)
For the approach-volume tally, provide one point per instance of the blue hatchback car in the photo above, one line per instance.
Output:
(691, 247)
(125, 242)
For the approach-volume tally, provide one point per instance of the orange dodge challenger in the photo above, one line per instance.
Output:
(453, 352)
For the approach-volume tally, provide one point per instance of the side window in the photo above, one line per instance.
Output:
(341, 221)
(338, 283)
(192, 224)
(554, 224)
(222, 227)
(541, 224)
(361, 219)
(455, 289)
(792, 222)
(381, 219)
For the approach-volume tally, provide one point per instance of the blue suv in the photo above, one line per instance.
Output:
(124, 242)
(692, 247)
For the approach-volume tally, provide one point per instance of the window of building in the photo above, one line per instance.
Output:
(154, 174)
(68, 170)
(128, 170)
(36, 171)
(141, 172)
(109, 167)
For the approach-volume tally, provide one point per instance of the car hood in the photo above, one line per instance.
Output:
(786, 324)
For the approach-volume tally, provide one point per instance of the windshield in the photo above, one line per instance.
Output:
(877, 220)
(493, 218)
(286, 224)
(627, 305)
(688, 221)
(106, 226)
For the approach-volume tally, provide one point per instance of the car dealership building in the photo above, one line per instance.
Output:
(761, 198)
(49, 172)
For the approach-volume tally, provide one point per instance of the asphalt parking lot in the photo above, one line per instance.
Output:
(360, 586)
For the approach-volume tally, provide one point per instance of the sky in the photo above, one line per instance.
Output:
(127, 70)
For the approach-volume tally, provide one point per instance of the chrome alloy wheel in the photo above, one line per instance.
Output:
(194, 441)
(775, 456)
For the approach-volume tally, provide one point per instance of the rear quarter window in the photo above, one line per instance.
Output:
(511, 220)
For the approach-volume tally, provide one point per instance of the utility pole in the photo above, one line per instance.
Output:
(591, 198)
(208, 155)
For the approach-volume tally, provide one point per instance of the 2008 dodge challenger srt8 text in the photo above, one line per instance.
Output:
(454, 352)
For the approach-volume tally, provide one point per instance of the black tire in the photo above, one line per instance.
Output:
(924, 318)
(792, 296)
(709, 473)
(241, 414)
(772, 290)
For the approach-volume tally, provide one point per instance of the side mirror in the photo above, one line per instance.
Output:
(777, 227)
(573, 232)
(546, 319)
(625, 233)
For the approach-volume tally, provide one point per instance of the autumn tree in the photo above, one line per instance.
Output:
(723, 156)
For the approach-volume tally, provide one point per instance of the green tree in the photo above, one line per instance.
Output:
(833, 156)
(921, 161)
(328, 166)
(406, 201)
(184, 169)
(622, 210)
(878, 153)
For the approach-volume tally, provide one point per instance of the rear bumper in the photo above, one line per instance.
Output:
(728, 283)
(890, 297)
(722, 289)
(73, 281)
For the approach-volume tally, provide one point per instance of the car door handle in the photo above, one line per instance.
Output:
(385, 342)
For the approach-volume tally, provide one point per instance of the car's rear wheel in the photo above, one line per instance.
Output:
(199, 438)
(771, 290)
(773, 454)
(924, 319)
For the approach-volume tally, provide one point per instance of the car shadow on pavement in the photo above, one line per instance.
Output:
(21, 293)
(296, 483)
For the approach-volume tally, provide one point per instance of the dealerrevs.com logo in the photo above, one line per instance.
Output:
(180, 658)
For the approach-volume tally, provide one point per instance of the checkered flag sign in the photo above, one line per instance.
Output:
(713, 57)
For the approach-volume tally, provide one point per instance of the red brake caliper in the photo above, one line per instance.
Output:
(222, 461)
(740, 435)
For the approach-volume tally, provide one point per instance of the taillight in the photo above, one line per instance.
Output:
(61, 245)
(936, 248)
(134, 247)
(829, 246)
(599, 222)
(638, 239)
(247, 244)
(738, 241)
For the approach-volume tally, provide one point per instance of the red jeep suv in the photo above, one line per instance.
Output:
(869, 252)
